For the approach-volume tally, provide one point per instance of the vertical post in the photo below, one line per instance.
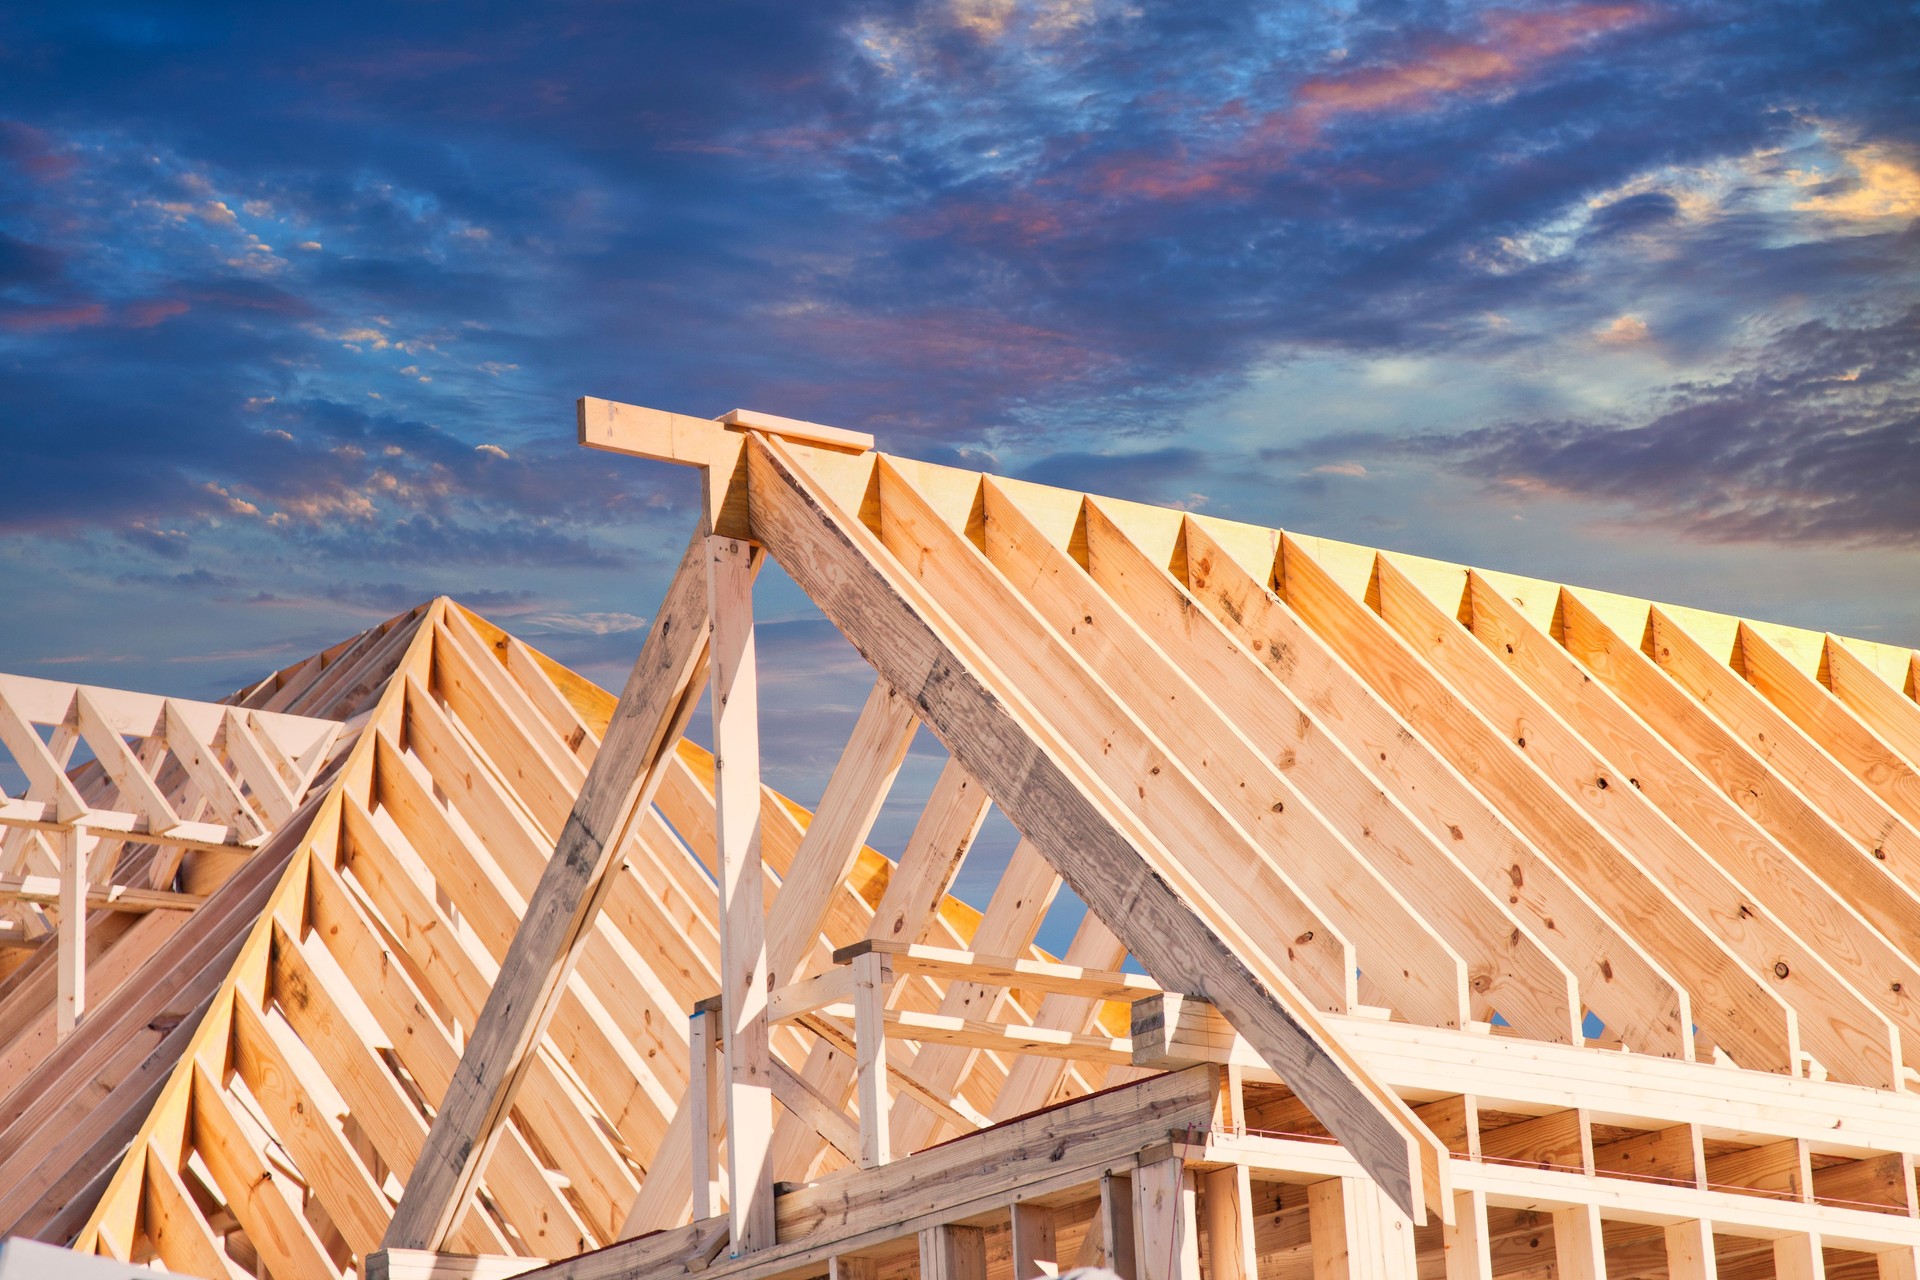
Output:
(870, 975)
(1468, 1251)
(704, 1072)
(841, 1267)
(71, 979)
(1577, 1250)
(1898, 1264)
(953, 1253)
(1167, 1236)
(1357, 1233)
(743, 945)
(1116, 1227)
(1799, 1257)
(1229, 1202)
(1690, 1251)
(1034, 1242)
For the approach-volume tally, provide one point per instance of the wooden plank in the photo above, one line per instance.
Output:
(286, 1240)
(1306, 798)
(137, 789)
(1243, 624)
(1357, 1235)
(1850, 1028)
(209, 777)
(255, 763)
(1438, 682)
(100, 897)
(173, 1223)
(1019, 904)
(795, 429)
(1035, 1241)
(791, 1090)
(1890, 713)
(1690, 1251)
(1112, 1242)
(932, 857)
(1466, 1247)
(343, 1186)
(707, 1106)
(1167, 1231)
(1578, 1249)
(1799, 1257)
(1227, 1198)
(733, 694)
(1146, 780)
(1823, 718)
(845, 571)
(70, 999)
(1822, 816)
(855, 791)
(653, 710)
(1005, 971)
(953, 1253)
(870, 982)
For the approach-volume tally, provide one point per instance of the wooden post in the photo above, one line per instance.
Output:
(1034, 1242)
(1114, 1226)
(1898, 1264)
(1690, 1251)
(704, 1071)
(1468, 1251)
(1357, 1233)
(1229, 1208)
(734, 690)
(71, 1005)
(1799, 1257)
(871, 974)
(953, 1253)
(1577, 1250)
(1166, 1234)
(840, 1267)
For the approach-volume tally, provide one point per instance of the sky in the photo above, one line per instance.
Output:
(295, 300)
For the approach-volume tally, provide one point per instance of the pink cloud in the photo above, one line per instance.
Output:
(52, 319)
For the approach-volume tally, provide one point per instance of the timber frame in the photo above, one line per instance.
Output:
(1439, 922)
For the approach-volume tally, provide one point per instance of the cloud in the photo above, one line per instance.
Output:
(1623, 331)
(1817, 440)
(1884, 184)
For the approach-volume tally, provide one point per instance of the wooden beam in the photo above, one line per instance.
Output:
(653, 711)
(1642, 1006)
(1578, 1250)
(870, 982)
(1167, 1231)
(1226, 1196)
(1005, 971)
(953, 1253)
(1357, 1235)
(70, 1000)
(100, 897)
(705, 1103)
(1465, 1242)
(733, 694)
(1889, 712)
(1035, 1241)
(1690, 1250)
(1102, 854)
(848, 807)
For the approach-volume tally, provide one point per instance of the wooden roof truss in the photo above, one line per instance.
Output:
(1489, 927)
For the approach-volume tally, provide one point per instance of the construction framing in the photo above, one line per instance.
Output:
(1439, 923)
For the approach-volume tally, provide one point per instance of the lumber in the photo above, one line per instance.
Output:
(838, 563)
(733, 695)
(653, 710)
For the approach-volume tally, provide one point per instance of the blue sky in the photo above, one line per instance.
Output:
(295, 299)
